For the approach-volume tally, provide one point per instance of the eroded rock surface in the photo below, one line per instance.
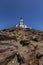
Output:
(21, 47)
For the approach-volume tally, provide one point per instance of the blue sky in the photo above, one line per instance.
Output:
(30, 10)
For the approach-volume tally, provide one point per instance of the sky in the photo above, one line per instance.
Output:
(30, 10)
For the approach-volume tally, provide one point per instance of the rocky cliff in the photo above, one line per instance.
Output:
(21, 47)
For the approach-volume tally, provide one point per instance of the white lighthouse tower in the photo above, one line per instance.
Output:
(21, 23)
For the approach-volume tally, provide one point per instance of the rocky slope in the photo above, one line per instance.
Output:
(21, 47)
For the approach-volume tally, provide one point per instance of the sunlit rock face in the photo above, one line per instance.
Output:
(21, 46)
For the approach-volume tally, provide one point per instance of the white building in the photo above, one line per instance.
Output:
(21, 24)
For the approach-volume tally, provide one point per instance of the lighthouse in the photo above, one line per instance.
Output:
(21, 23)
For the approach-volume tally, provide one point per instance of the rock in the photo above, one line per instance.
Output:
(35, 39)
(24, 42)
(20, 59)
(21, 46)
(38, 56)
(7, 52)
